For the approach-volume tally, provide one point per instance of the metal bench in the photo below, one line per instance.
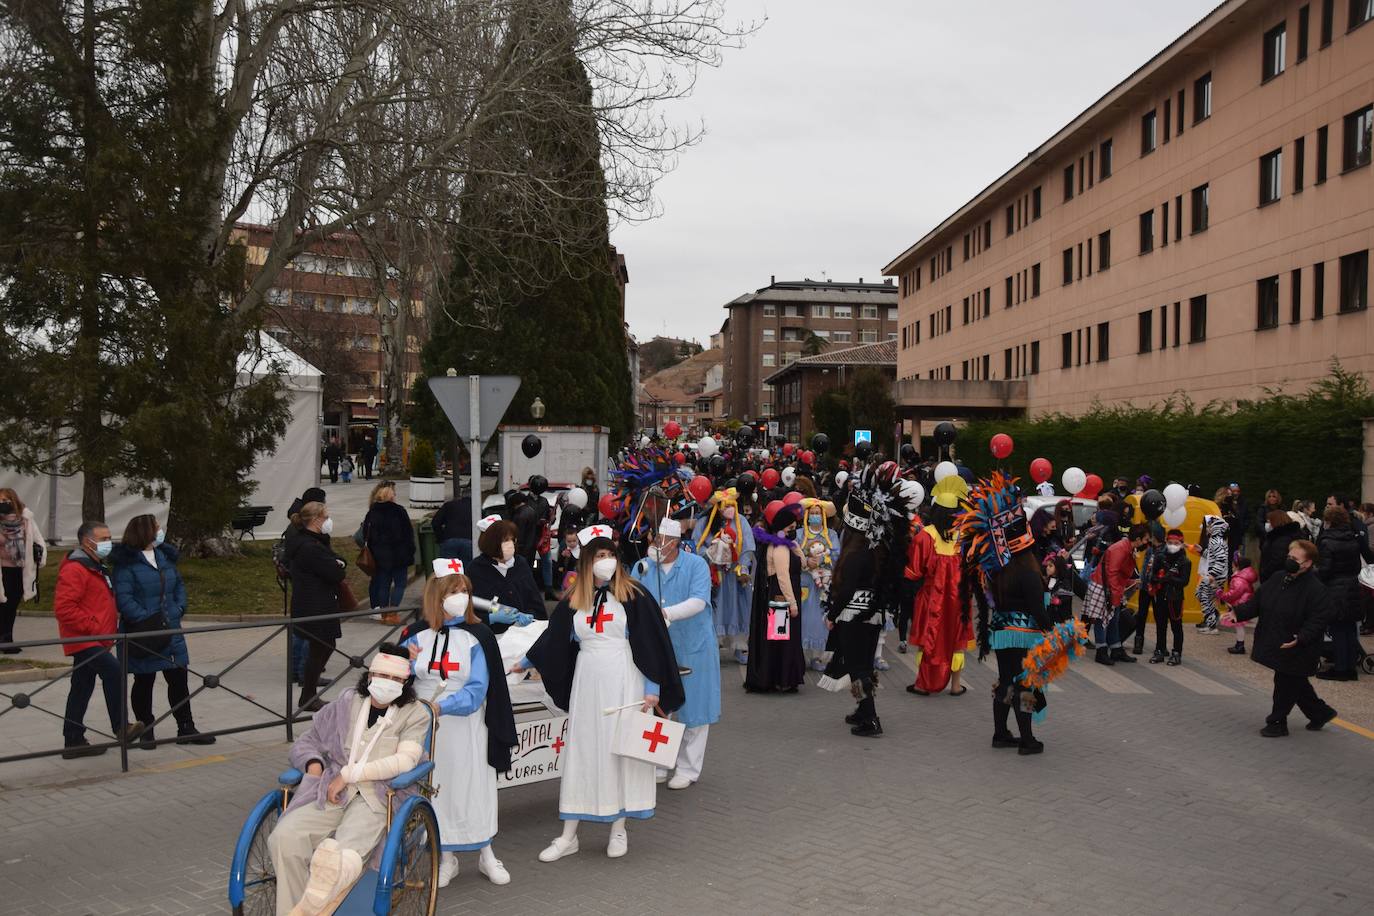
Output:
(246, 518)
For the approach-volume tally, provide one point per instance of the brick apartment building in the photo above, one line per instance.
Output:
(1203, 228)
(797, 385)
(769, 328)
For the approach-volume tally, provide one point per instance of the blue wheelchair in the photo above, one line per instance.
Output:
(405, 882)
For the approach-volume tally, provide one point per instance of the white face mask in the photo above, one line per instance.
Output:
(729, 512)
(655, 554)
(327, 526)
(1173, 548)
(604, 568)
(384, 691)
(507, 550)
(456, 605)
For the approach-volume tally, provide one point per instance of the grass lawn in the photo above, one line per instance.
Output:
(17, 664)
(235, 585)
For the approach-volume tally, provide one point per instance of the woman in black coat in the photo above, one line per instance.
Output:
(1294, 610)
(316, 574)
(1340, 551)
(387, 532)
(498, 574)
(1281, 529)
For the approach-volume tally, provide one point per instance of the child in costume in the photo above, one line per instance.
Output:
(1169, 572)
(1240, 590)
(1212, 570)
(820, 547)
(940, 627)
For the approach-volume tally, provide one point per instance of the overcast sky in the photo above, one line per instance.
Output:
(845, 130)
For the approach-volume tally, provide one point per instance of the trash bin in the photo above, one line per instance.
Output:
(429, 548)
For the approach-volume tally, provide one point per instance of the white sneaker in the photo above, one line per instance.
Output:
(558, 849)
(496, 872)
(618, 845)
(660, 777)
(448, 868)
(679, 782)
(1207, 631)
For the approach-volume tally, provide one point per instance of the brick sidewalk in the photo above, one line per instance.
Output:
(1155, 795)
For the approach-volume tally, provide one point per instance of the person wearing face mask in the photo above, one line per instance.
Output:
(338, 814)
(150, 594)
(499, 574)
(606, 646)
(1294, 609)
(681, 583)
(23, 551)
(1168, 577)
(84, 605)
(727, 543)
(820, 549)
(457, 666)
(316, 574)
(776, 664)
(1280, 530)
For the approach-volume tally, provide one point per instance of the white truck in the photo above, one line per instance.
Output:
(566, 451)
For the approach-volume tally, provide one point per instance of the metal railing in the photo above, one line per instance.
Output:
(286, 718)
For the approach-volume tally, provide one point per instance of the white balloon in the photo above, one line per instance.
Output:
(912, 492)
(840, 478)
(945, 469)
(643, 441)
(1175, 496)
(1175, 517)
(788, 476)
(577, 498)
(706, 446)
(1074, 480)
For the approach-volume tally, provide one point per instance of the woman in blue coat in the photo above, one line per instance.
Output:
(146, 581)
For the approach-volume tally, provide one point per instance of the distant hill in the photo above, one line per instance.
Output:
(662, 352)
(684, 380)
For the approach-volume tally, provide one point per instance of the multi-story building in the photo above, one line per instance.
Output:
(774, 326)
(1203, 228)
(797, 385)
(684, 393)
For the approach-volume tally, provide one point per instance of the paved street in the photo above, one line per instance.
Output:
(1155, 794)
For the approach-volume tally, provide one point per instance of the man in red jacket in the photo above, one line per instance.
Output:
(1116, 574)
(84, 605)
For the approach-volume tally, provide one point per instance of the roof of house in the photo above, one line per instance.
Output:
(874, 354)
(818, 291)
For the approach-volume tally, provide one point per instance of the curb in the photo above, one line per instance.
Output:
(27, 675)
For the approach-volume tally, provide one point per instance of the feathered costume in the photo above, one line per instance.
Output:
(941, 627)
(645, 484)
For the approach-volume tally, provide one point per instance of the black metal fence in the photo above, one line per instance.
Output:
(18, 701)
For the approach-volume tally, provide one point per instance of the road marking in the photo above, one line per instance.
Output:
(1352, 727)
(1191, 680)
(181, 764)
(1108, 680)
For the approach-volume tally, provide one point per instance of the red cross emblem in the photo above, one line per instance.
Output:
(455, 566)
(445, 666)
(656, 737)
(600, 623)
(558, 745)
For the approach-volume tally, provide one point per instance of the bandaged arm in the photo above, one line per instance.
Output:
(700, 589)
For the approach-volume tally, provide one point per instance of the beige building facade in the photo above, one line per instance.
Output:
(1203, 229)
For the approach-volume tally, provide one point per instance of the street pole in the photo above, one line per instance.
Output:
(475, 450)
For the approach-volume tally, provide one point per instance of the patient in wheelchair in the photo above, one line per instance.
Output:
(338, 814)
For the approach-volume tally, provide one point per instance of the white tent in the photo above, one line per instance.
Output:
(280, 475)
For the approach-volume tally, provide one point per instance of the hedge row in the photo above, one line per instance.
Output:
(1307, 446)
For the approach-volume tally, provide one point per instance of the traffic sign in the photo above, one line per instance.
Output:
(773, 429)
(494, 394)
(863, 435)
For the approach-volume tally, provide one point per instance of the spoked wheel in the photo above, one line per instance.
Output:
(416, 887)
(260, 877)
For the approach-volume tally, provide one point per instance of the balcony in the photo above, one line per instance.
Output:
(953, 397)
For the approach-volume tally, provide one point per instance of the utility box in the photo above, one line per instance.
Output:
(566, 450)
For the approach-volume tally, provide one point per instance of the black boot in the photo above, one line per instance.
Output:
(1159, 656)
(854, 718)
(1139, 647)
(1103, 656)
(146, 738)
(870, 729)
(1121, 655)
(187, 734)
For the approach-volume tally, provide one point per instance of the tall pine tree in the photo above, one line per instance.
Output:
(532, 291)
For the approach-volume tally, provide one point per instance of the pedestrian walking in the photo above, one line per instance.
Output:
(367, 456)
(1294, 609)
(22, 553)
(84, 605)
(332, 454)
(151, 595)
(390, 537)
(317, 573)
(1341, 553)
(1240, 590)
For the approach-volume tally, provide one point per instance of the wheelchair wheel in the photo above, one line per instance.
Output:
(258, 876)
(1367, 663)
(411, 862)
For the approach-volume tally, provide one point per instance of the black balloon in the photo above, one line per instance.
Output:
(908, 453)
(531, 445)
(1152, 503)
(745, 484)
(945, 433)
(538, 484)
(820, 443)
(744, 436)
(863, 450)
(715, 465)
(731, 483)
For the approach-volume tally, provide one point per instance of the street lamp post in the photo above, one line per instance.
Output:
(537, 410)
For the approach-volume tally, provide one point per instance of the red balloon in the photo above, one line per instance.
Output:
(808, 458)
(680, 458)
(608, 506)
(792, 498)
(1041, 470)
(771, 510)
(769, 478)
(1001, 446)
(788, 448)
(700, 488)
(672, 429)
(1092, 487)
(753, 473)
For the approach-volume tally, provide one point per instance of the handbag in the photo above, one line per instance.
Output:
(366, 562)
(646, 737)
(779, 621)
(347, 600)
(151, 646)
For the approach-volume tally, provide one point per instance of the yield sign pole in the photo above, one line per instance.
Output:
(475, 404)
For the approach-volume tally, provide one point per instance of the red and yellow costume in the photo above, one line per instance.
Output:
(939, 632)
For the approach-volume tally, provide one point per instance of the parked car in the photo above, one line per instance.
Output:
(1083, 509)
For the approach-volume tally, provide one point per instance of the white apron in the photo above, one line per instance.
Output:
(597, 784)
(466, 803)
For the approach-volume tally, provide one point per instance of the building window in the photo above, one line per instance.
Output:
(1147, 232)
(1201, 198)
(1164, 224)
(1355, 282)
(1011, 224)
(891, 336)
(768, 335)
(891, 313)
(848, 336)
(1303, 15)
(790, 357)
(1180, 112)
(965, 246)
(821, 333)
(1145, 324)
(1318, 290)
(1202, 98)
(1006, 363)
(1295, 297)
(1035, 203)
(1299, 163)
(1358, 125)
(1163, 326)
(769, 359)
(792, 335)
(1197, 319)
(1035, 357)
(987, 233)
(1271, 177)
(820, 311)
(844, 311)
(1104, 250)
(1104, 160)
(766, 408)
(1009, 302)
(1103, 341)
(770, 310)
(1168, 119)
(1267, 302)
(1035, 281)
(966, 310)
(1068, 266)
(791, 311)
(1361, 11)
(1275, 50)
(868, 311)
(1322, 135)
(1068, 183)
(1328, 16)
(1148, 133)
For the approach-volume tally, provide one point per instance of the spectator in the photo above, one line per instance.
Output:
(367, 455)
(1272, 500)
(1293, 608)
(332, 454)
(1280, 529)
(316, 573)
(1339, 554)
(1114, 576)
(500, 574)
(148, 586)
(593, 493)
(84, 605)
(299, 648)
(387, 532)
(1365, 516)
(22, 552)
(527, 525)
(1236, 519)
(452, 526)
